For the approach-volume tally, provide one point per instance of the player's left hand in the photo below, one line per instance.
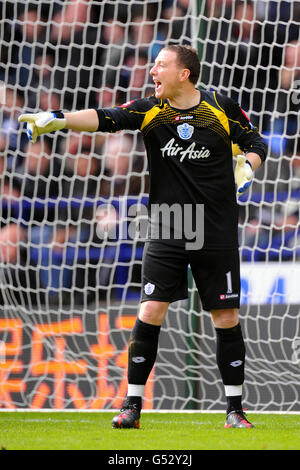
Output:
(243, 174)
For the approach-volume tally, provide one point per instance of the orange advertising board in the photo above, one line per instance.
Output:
(60, 364)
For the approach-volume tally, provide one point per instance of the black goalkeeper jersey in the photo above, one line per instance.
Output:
(190, 160)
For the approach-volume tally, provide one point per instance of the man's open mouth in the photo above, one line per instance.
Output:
(157, 85)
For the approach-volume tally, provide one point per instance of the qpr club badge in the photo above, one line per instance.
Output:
(185, 131)
(149, 288)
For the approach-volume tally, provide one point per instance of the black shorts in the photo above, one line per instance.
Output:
(216, 274)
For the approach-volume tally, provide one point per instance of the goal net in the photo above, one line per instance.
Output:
(73, 206)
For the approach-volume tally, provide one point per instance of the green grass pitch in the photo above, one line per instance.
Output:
(159, 431)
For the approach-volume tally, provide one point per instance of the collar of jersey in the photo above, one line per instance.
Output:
(185, 110)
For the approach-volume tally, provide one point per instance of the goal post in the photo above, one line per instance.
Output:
(73, 206)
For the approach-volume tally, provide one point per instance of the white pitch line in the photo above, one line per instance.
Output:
(51, 410)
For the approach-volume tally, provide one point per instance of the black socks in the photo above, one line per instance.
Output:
(230, 355)
(234, 404)
(143, 345)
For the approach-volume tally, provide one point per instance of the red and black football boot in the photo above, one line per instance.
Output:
(237, 419)
(129, 416)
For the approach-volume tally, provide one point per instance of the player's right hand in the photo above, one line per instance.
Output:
(42, 123)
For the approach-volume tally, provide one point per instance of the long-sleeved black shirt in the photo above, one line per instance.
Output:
(190, 161)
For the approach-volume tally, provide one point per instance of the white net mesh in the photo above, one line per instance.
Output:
(73, 206)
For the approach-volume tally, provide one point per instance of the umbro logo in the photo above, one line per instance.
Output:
(236, 363)
(138, 359)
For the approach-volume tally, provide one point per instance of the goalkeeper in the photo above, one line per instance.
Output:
(188, 135)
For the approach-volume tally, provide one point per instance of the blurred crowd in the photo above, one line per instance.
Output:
(56, 51)
(54, 55)
(252, 53)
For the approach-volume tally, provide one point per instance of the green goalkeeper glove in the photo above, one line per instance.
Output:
(243, 174)
(42, 123)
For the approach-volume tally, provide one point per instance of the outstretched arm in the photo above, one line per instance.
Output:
(86, 120)
(127, 116)
(45, 122)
